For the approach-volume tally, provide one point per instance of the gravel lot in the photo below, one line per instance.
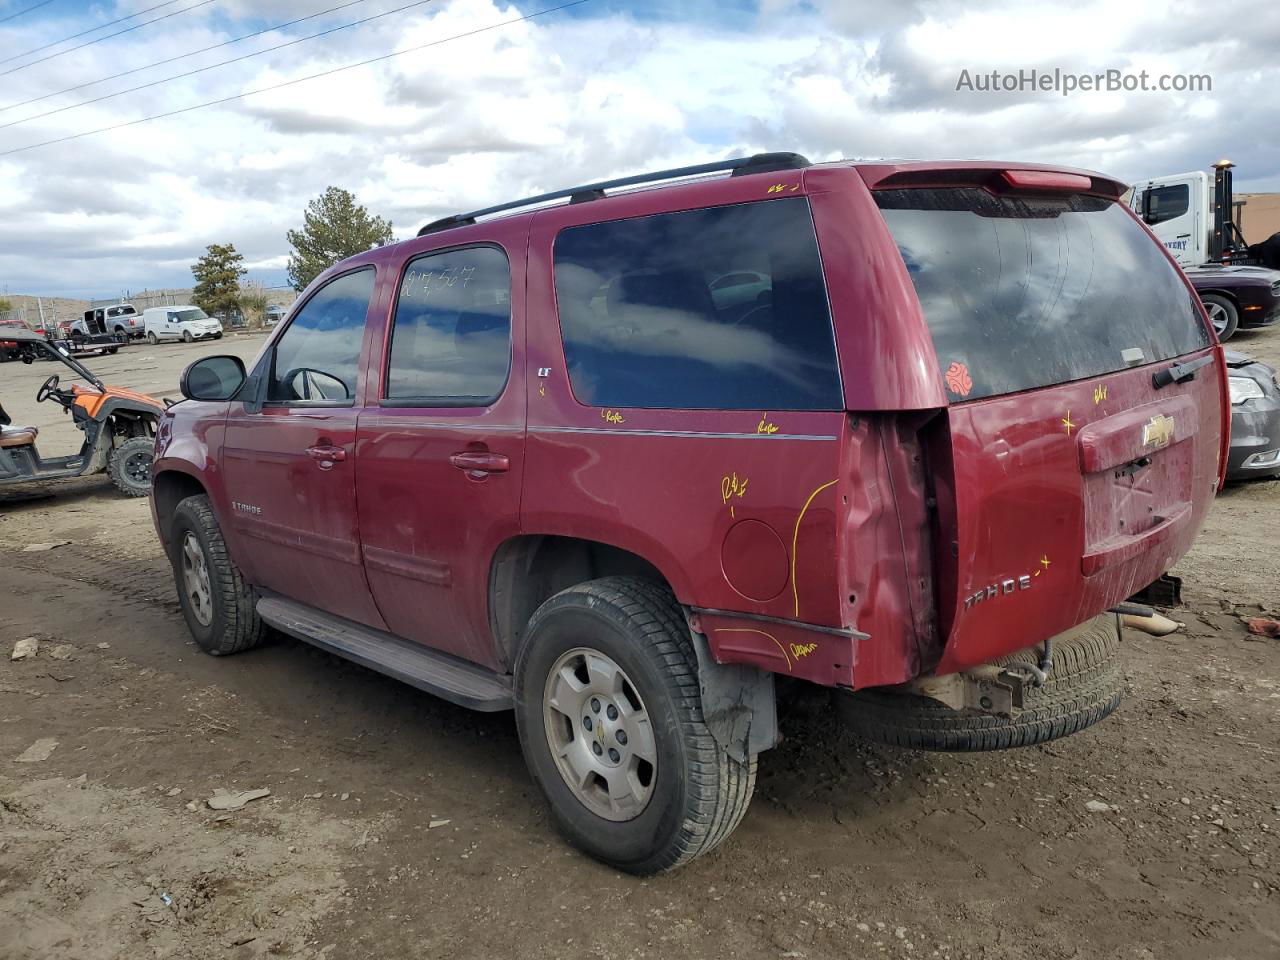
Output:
(399, 825)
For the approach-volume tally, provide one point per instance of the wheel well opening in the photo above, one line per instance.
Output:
(168, 489)
(1225, 295)
(529, 570)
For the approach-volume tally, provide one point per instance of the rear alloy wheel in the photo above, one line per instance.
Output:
(609, 711)
(1223, 314)
(130, 466)
(152, 339)
(600, 733)
(219, 607)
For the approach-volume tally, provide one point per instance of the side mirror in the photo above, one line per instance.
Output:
(213, 378)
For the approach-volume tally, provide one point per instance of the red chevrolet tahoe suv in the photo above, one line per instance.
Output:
(617, 459)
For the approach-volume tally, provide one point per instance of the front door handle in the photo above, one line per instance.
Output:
(476, 462)
(327, 455)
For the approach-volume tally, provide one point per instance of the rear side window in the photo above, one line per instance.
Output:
(1023, 292)
(317, 358)
(451, 337)
(721, 308)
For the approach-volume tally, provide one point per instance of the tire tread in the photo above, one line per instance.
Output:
(243, 629)
(1085, 686)
(719, 788)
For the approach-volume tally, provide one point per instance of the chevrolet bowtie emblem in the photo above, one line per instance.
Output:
(1158, 431)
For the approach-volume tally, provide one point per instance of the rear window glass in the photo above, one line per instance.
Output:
(1023, 292)
(721, 308)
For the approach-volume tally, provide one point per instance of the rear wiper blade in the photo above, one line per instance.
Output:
(1179, 372)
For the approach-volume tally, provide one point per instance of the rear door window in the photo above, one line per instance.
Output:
(451, 337)
(1023, 292)
(720, 308)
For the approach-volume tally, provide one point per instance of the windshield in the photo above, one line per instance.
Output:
(1023, 292)
(195, 313)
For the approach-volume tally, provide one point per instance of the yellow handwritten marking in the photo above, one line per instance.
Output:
(542, 389)
(783, 188)
(731, 486)
(1044, 562)
(766, 426)
(1099, 394)
(1067, 422)
(763, 634)
(611, 416)
(799, 650)
(795, 537)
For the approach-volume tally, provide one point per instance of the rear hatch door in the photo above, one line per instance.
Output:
(1082, 445)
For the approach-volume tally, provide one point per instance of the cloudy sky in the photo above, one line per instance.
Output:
(479, 106)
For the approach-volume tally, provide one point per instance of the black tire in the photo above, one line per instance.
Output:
(217, 336)
(1084, 686)
(152, 338)
(187, 337)
(129, 466)
(1223, 314)
(699, 793)
(234, 624)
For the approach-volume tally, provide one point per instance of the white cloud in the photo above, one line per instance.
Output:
(564, 99)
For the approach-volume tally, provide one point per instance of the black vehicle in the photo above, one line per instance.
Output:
(1237, 297)
(119, 427)
(1255, 418)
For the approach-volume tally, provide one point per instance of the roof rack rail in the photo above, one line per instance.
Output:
(740, 167)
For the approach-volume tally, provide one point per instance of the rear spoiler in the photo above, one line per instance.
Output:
(995, 177)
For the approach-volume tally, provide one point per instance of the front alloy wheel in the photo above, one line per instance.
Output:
(195, 580)
(219, 607)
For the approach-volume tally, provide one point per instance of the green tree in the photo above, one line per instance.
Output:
(334, 227)
(218, 274)
(253, 304)
(5, 306)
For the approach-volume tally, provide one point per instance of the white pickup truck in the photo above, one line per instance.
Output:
(121, 318)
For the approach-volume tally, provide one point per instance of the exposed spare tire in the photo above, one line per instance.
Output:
(1084, 686)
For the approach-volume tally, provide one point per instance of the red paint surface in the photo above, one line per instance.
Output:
(888, 515)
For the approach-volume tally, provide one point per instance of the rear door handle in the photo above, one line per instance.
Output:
(331, 454)
(474, 462)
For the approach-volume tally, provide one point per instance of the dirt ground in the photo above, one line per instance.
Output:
(399, 825)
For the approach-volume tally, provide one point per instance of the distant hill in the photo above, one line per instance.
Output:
(27, 307)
